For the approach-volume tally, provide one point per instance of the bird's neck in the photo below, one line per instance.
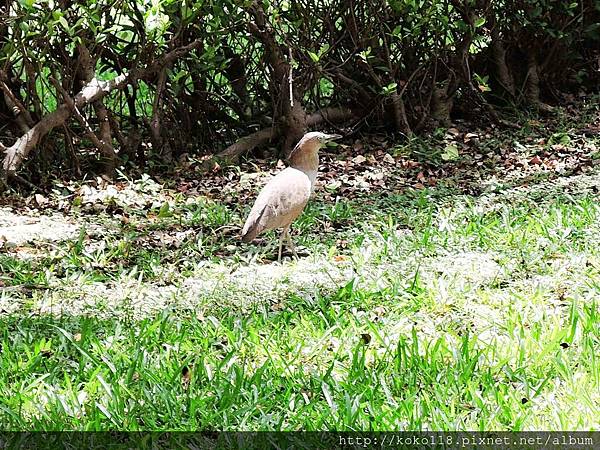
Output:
(307, 159)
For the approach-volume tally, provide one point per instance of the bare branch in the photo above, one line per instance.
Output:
(105, 148)
(93, 91)
(17, 107)
(265, 135)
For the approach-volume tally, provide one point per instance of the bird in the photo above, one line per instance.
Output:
(284, 197)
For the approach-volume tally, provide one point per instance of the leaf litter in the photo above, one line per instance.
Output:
(492, 164)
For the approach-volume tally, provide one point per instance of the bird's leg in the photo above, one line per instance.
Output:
(290, 243)
(281, 236)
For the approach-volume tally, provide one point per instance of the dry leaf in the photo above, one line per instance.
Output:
(469, 136)
(536, 160)
(40, 200)
(379, 310)
(277, 306)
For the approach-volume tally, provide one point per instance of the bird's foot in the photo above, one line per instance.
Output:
(297, 252)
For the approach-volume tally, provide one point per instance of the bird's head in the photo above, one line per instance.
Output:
(311, 143)
(318, 137)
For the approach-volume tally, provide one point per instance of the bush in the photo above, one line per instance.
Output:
(156, 80)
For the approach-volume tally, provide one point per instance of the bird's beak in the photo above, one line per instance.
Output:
(333, 137)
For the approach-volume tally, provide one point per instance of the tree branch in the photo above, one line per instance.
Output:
(23, 117)
(93, 91)
(265, 135)
(105, 148)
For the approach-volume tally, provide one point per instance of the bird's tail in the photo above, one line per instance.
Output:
(252, 227)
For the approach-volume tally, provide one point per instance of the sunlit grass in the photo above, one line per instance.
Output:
(460, 314)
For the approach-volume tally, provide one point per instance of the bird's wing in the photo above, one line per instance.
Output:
(279, 203)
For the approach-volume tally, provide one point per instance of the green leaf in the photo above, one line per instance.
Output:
(165, 210)
(450, 153)
(64, 23)
(313, 56)
(27, 3)
(559, 138)
(364, 55)
(390, 88)
(186, 12)
(326, 87)
(480, 21)
(324, 49)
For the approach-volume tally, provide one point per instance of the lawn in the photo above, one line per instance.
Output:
(419, 302)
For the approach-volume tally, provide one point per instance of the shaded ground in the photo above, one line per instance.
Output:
(446, 290)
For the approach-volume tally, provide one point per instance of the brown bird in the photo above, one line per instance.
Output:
(284, 197)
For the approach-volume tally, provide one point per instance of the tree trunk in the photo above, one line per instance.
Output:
(87, 73)
(441, 104)
(503, 73)
(532, 85)
(401, 122)
(288, 112)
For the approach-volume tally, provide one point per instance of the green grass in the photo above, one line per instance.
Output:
(462, 313)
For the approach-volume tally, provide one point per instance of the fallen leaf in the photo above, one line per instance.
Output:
(536, 160)
(277, 306)
(40, 200)
(469, 136)
(450, 153)
(333, 185)
(342, 243)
